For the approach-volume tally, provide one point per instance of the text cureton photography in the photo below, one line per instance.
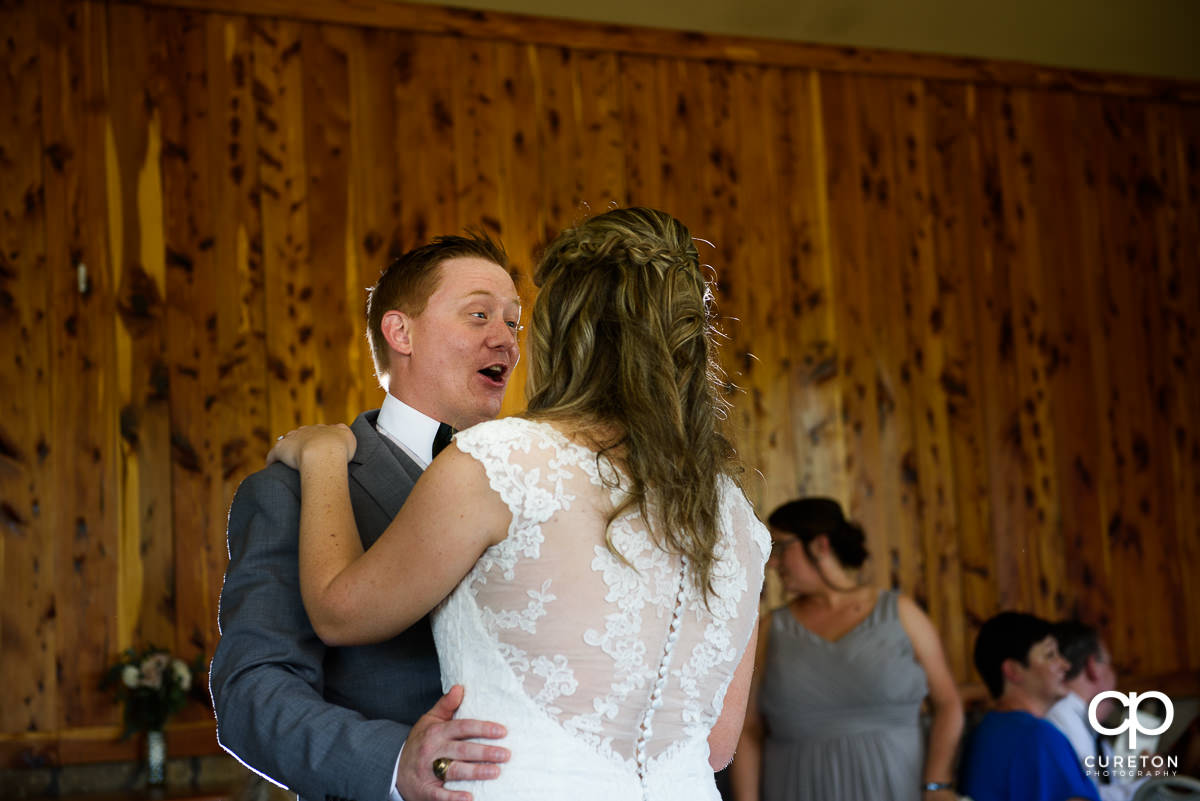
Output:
(1133, 764)
(1131, 767)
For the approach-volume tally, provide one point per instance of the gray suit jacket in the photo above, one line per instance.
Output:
(326, 722)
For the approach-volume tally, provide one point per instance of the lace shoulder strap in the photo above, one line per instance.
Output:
(737, 511)
(519, 481)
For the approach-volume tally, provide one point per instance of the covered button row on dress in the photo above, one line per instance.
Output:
(660, 682)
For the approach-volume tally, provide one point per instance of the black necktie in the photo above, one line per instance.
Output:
(1105, 776)
(442, 438)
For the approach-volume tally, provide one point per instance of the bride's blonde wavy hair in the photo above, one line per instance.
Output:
(622, 340)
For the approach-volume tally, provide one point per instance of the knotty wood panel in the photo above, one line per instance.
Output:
(520, 101)
(929, 461)
(27, 559)
(955, 203)
(145, 584)
(814, 421)
(84, 456)
(962, 298)
(1173, 158)
(189, 178)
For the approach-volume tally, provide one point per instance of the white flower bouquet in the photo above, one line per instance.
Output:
(154, 686)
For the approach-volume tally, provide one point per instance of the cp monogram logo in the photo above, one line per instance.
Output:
(1131, 702)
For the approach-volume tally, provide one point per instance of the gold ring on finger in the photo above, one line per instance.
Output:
(440, 766)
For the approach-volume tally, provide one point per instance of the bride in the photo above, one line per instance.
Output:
(594, 565)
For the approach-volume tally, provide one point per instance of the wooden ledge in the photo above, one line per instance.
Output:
(101, 744)
(147, 795)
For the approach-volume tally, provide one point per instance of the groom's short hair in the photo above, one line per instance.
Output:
(409, 280)
(1077, 643)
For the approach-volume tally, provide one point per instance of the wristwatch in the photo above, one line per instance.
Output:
(937, 786)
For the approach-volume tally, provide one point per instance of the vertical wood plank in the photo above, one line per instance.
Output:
(241, 405)
(85, 407)
(179, 61)
(1135, 402)
(681, 148)
(1174, 155)
(997, 338)
(522, 203)
(283, 183)
(720, 172)
(1157, 201)
(889, 294)
(146, 596)
(952, 153)
(770, 322)
(939, 589)
(640, 108)
(477, 158)
(809, 291)
(1094, 249)
(847, 188)
(425, 131)
(1036, 510)
(222, 236)
(27, 600)
(600, 135)
(1068, 247)
(1187, 468)
(559, 176)
(579, 135)
(377, 62)
(1140, 557)
(338, 389)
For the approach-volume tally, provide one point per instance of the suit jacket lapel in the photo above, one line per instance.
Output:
(383, 472)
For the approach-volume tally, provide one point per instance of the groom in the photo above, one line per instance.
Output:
(366, 723)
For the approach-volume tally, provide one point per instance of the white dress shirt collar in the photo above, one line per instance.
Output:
(411, 430)
(1069, 714)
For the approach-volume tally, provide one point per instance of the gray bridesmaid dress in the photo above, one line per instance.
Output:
(842, 717)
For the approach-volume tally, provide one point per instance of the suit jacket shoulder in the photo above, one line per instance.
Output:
(323, 721)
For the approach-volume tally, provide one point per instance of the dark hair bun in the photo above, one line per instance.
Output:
(809, 518)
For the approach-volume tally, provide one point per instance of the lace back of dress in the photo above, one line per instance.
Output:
(624, 654)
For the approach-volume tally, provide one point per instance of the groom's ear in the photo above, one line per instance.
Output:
(397, 330)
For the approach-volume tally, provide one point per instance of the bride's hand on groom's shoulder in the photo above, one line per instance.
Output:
(328, 441)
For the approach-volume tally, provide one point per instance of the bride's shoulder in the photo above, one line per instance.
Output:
(741, 516)
(510, 432)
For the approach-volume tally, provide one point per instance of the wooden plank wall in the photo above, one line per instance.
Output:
(962, 298)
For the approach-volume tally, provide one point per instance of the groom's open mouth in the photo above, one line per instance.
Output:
(495, 373)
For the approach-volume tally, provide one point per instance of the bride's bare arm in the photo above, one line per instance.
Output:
(724, 735)
(354, 597)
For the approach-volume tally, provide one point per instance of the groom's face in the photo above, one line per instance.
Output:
(463, 345)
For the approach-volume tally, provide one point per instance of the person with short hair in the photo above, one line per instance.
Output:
(1089, 673)
(1014, 754)
(359, 723)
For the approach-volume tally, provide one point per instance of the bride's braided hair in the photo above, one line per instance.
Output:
(622, 334)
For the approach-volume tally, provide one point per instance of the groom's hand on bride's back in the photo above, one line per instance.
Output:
(437, 735)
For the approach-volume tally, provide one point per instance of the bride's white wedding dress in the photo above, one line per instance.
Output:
(608, 675)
